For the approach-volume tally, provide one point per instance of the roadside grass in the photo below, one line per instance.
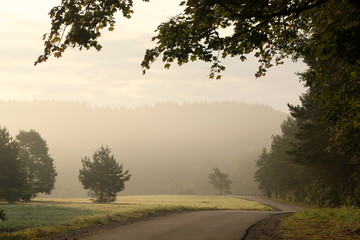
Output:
(283, 200)
(322, 223)
(44, 218)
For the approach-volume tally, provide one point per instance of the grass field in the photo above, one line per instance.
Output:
(47, 217)
(319, 224)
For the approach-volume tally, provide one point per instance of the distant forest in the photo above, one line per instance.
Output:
(168, 148)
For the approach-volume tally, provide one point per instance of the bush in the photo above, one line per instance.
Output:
(319, 194)
(2, 215)
(297, 195)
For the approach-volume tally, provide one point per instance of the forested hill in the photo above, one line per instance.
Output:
(168, 148)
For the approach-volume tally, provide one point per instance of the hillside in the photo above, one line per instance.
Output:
(169, 148)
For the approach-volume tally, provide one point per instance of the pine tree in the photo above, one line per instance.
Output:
(103, 176)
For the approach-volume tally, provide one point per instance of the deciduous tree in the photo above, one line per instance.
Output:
(13, 182)
(220, 181)
(272, 29)
(39, 165)
(332, 54)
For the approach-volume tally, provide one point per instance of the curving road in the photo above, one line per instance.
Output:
(277, 206)
(209, 225)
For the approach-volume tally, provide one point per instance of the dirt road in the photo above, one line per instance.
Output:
(209, 225)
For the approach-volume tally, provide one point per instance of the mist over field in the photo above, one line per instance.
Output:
(168, 148)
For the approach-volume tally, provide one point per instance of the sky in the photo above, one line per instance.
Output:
(113, 76)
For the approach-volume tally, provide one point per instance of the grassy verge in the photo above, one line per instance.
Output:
(282, 200)
(318, 224)
(48, 217)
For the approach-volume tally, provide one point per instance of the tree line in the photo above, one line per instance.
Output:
(300, 167)
(27, 169)
(157, 132)
(316, 159)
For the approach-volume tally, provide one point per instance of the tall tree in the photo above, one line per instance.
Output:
(332, 54)
(299, 167)
(13, 182)
(334, 183)
(263, 173)
(284, 170)
(39, 165)
(103, 176)
(220, 181)
(277, 172)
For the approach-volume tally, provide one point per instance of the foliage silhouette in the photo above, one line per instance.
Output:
(34, 154)
(103, 176)
(220, 181)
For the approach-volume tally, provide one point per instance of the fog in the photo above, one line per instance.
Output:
(168, 148)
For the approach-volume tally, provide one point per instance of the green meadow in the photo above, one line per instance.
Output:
(48, 217)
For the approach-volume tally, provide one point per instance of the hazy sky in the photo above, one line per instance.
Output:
(113, 76)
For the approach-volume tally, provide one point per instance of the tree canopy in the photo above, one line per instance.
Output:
(103, 176)
(78, 24)
(220, 181)
(13, 182)
(271, 29)
(299, 167)
(39, 165)
(26, 167)
(276, 172)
